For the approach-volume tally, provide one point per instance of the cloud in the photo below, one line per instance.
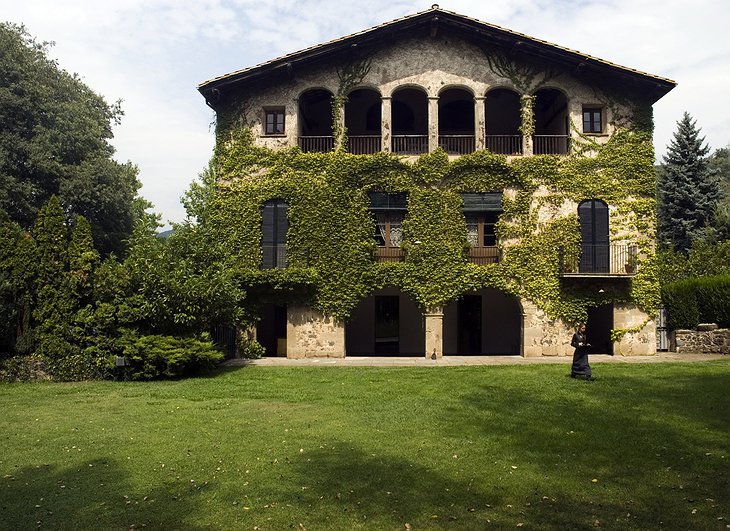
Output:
(152, 54)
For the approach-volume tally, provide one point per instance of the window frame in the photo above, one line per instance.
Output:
(592, 111)
(276, 112)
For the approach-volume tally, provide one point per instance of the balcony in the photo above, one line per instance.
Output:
(389, 254)
(599, 260)
(504, 144)
(457, 144)
(551, 144)
(409, 144)
(484, 255)
(316, 144)
(364, 144)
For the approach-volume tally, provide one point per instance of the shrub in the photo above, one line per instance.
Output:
(23, 369)
(713, 298)
(153, 357)
(252, 350)
(692, 301)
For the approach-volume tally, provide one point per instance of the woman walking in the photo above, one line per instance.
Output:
(581, 369)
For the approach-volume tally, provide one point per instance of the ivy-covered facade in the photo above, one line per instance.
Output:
(439, 186)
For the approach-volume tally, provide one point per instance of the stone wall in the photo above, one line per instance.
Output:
(309, 334)
(715, 341)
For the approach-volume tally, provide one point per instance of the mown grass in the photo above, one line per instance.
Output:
(644, 447)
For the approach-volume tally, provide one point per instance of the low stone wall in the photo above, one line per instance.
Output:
(714, 341)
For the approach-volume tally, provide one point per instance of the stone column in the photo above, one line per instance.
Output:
(434, 333)
(527, 139)
(310, 334)
(433, 123)
(480, 121)
(639, 343)
(386, 121)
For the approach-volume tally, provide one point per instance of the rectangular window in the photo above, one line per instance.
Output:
(274, 122)
(592, 120)
(481, 212)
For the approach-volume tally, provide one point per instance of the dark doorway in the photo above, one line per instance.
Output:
(470, 324)
(598, 329)
(387, 324)
(271, 329)
(594, 256)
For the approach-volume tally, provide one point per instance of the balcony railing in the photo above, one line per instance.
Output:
(364, 144)
(504, 144)
(316, 144)
(409, 144)
(457, 144)
(274, 256)
(484, 255)
(599, 259)
(551, 144)
(389, 254)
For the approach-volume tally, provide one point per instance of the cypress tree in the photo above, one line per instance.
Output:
(688, 190)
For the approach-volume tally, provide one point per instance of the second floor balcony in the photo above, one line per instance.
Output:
(600, 259)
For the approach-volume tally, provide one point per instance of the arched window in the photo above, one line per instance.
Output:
(593, 215)
(274, 227)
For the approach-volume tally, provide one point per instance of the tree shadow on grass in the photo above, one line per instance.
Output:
(655, 442)
(346, 487)
(89, 495)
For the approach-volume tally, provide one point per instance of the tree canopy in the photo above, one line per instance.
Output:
(688, 190)
(55, 140)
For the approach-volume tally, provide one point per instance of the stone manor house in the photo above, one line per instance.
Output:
(439, 82)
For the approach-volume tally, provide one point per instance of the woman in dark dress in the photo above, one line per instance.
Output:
(581, 369)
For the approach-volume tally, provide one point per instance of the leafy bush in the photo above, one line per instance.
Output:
(252, 350)
(693, 301)
(153, 357)
(23, 369)
(713, 298)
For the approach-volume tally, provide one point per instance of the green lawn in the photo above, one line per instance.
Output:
(644, 447)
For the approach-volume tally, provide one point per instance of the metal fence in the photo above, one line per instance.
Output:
(274, 256)
(409, 144)
(484, 255)
(551, 144)
(457, 144)
(364, 144)
(599, 259)
(389, 254)
(504, 144)
(316, 144)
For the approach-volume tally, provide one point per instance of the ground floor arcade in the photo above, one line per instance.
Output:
(487, 322)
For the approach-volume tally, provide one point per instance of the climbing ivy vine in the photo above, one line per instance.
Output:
(330, 241)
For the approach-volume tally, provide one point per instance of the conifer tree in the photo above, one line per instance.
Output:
(687, 188)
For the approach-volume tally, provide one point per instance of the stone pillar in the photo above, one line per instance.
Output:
(310, 334)
(527, 139)
(640, 343)
(434, 333)
(386, 121)
(543, 335)
(480, 121)
(341, 126)
(433, 123)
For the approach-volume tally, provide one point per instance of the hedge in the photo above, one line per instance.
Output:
(698, 300)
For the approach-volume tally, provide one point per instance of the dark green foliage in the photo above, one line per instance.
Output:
(719, 162)
(54, 139)
(156, 356)
(687, 188)
(698, 300)
(704, 259)
(680, 300)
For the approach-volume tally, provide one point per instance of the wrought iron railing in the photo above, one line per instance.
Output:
(551, 144)
(316, 144)
(599, 259)
(389, 254)
(504, 144)
(274, 256)
(457, 144)
(409, 144)
(484, 255)
(364, 144)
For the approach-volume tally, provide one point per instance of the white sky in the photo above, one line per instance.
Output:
(153, 53)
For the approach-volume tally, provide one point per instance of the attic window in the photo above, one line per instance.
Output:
(592, 120)
(274, 121)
